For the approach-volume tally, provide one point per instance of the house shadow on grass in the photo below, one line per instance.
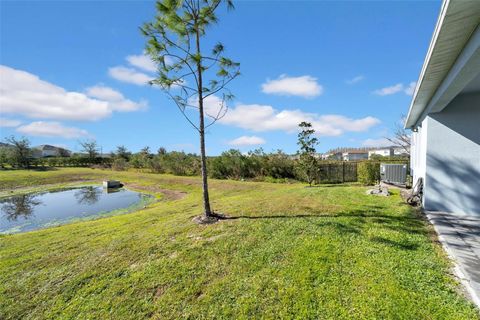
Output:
(357, 220)
(334, 185)
(41, 168)
(396, 244)
(44, 169)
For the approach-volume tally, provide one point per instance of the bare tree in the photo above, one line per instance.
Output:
(186, 72)
(20, 152)
(90, 147)
(88, 195)
(22, 205)
(122, 153)
(401, 137)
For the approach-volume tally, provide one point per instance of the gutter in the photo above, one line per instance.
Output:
(443, 11)
(452, 61)
(465, 69)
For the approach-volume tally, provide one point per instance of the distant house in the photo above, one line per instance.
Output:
(46, 150)
(354, 155)
(401, 152)
(5, 145)
(330, 155)
(391, 151)
(384, 152)
(346, 154)
(445, 113)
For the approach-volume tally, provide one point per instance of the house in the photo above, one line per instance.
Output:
(384, 152)
(331, 155)
(5, 145)
(346, 154)
(46, 150)
(444, 113)
(355, 154)
(401, 151)
(391, 151)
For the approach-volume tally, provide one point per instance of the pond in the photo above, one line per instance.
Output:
(26, 212)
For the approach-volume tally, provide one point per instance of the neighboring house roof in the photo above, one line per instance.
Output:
(355, 152)
(382, 148)
(452, 61)
(46, 147)
(342, 150)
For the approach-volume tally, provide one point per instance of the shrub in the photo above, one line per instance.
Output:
(231, 164)
(119, 164)
(137, 161)
(180, 163)
(368, 172)
(156, 165)
(279, 165)
(276, 180)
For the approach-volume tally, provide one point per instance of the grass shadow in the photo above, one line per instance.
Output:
(395, 244)
(43, 169)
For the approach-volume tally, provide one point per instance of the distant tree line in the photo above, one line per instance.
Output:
(256, 165)
(231, 164)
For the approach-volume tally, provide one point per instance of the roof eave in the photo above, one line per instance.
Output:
(457, 21)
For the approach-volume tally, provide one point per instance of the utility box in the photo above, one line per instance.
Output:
(393, 173)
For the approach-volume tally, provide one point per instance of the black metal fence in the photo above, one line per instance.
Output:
(343, 171)
(337, 172)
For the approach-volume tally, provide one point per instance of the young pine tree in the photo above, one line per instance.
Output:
(187, 72)
(307, 162)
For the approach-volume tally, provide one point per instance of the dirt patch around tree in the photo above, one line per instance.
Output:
(214, 217)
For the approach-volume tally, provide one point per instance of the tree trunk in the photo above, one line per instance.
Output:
(206, 199)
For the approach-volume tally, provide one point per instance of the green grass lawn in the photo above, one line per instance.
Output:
(328, 252)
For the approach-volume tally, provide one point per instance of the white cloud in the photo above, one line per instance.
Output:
(26, 94)
(380, 142)
(142, 61)
(411, 88)
(130, 75)
(140, 71)
(115, 99)
(51, 129)
(104, 93)
(355, 79)
(399, 87)
(246, 141)
(304, 86)
(266, 118)
(389, 90)
(9, 123)
(212, 106)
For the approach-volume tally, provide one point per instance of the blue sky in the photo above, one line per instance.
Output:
(74, 70)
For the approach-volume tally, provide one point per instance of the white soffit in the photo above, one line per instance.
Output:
(457, 22)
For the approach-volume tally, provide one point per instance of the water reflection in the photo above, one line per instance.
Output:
(21, 206)
(33, 211)
(88, 195)
(111, 190)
